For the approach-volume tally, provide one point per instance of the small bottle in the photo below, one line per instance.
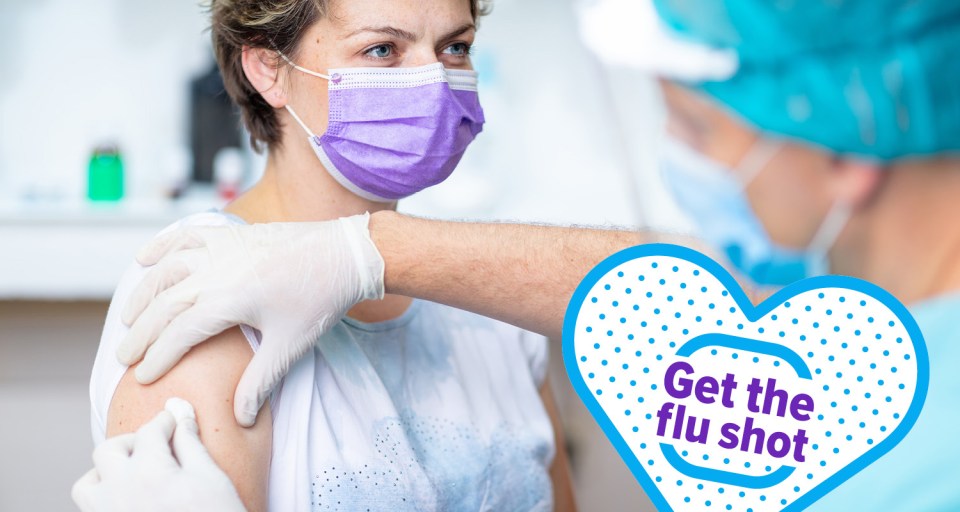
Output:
(105, 174)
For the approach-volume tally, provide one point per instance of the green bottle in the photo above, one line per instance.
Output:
(105, 175)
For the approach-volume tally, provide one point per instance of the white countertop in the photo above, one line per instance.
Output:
(78, 251)
(140, 211)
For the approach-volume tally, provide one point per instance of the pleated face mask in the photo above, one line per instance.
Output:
(393, 132)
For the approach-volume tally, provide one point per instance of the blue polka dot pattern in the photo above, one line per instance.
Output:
(863, 373)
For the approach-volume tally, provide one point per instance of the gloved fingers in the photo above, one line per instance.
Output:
(148, 326)
(190, 328)
(187, 447)
(113, 455)
(268, 366)
(164, 275)
(183, 412)
(82, 491)
(152, 442)
(177, 240)
(366, 256)
(191, 452)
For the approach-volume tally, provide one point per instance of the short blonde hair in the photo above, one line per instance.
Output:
(273, 24)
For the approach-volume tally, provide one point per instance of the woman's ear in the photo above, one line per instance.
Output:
(260, 66)
(856, 181)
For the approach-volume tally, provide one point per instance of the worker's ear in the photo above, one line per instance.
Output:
(855, 181)
(262, 68)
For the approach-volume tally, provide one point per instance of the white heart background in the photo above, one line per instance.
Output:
(633, 314)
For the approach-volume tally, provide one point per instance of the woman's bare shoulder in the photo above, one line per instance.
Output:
(206, 377)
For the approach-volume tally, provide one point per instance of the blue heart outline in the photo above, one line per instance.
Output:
(752, 313)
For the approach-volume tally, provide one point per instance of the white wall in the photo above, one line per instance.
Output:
(46, 351)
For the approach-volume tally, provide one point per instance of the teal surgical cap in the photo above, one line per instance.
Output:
(875, 78)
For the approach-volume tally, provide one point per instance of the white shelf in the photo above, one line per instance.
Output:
(77, 251)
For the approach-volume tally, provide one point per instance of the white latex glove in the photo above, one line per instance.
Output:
(139, 472)
(292, 281)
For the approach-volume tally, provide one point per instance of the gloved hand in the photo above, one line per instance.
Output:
(138, 472)
(292, 281)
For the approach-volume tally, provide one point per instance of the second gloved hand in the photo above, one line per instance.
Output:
(291, 281)
(163, 467)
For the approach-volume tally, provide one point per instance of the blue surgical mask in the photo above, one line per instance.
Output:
(714, 197)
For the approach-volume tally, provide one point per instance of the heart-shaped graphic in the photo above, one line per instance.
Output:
(717, 404)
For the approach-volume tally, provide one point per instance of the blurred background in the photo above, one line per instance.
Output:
(113, 124)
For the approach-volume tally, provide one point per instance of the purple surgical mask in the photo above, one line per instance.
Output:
(393, 132)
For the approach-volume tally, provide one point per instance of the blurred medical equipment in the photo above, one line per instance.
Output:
(228, 172)
(214, 123)
(105, 174)
(177, 169)
(130, 468)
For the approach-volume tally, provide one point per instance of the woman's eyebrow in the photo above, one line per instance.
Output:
(410, 36)
(387, 30)
(459, 31)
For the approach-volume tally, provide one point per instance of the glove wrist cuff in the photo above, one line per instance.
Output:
(370, 264)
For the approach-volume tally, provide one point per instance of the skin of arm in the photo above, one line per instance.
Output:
(563, 497)
(521, 274)
(207, 377)
(516, 273)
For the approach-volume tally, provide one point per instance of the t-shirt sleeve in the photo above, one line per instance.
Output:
(107, 370)
(537, 351)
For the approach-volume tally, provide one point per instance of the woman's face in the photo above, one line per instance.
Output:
(377, 33)
(791, 195)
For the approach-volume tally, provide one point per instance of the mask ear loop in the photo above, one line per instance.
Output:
(756, 160)
(335, 79)
(300, 122)
(305, 70)
(828, 233)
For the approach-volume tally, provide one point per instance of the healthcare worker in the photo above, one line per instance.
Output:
(804, 138)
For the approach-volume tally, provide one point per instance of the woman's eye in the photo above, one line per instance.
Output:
(458, 49)
(383, 51)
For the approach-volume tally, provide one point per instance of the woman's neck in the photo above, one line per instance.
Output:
(906, 240)
(296, 188)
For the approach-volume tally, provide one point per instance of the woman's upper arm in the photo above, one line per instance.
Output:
(207, 377)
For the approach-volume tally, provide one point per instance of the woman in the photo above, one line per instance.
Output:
(826, 139)
(404, 405)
